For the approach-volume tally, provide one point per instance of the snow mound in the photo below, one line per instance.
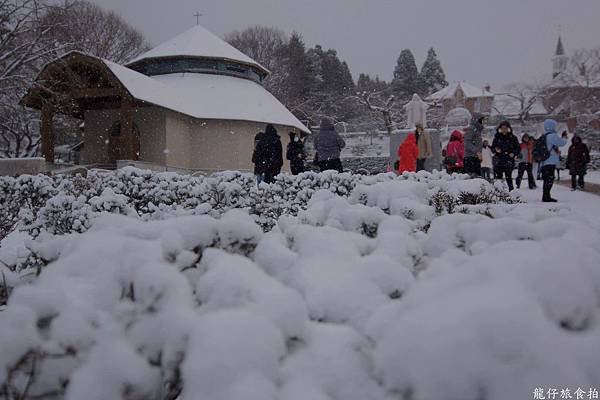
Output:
(322, 286)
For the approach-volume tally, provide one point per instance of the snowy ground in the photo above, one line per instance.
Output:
(593, 177)
(418, 287)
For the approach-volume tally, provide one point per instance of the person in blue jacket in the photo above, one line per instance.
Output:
(554, 143)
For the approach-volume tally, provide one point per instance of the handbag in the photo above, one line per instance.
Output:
(450, 161)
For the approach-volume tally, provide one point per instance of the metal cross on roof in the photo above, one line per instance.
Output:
(198, 15)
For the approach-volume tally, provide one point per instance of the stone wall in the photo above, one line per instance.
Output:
(595, 164)
(372, 165)
(20, 166)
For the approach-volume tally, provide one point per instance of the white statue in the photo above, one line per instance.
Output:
(416, 112)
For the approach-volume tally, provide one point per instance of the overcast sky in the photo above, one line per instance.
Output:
(495, 41)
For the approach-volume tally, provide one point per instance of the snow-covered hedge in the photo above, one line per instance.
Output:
(323, 286)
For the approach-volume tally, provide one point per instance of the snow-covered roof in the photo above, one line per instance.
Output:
(569, 80)
(206, 96)
(468, 89)
(507, 105)
(198, 42)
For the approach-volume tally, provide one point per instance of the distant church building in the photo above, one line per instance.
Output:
(560, 59)
(192, 103)
(571, 96)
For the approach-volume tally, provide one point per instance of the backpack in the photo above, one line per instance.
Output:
(540, 149)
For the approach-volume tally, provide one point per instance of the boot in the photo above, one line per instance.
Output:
(546, 197)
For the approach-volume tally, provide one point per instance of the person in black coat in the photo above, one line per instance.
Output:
(295, 154)
(258, 167)
(506, 148)
(267, 157)
(577, 160)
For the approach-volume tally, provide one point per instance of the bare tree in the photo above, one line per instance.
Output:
(579, 85)
(24, 41)
(33, 32)
(86, 27)
(260, 43)
(584, 68)
(19, 133)
(385, 108)
(525, 95)
(25, 45)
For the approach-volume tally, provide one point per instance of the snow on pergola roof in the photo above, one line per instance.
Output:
(198, 42)
(468, 89)
(206, 96)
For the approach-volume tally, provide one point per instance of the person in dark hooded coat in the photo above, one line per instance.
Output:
(329, 145)
(268, 157)
(259, 172)
(506, 148)
(295, 154)
(577, 161)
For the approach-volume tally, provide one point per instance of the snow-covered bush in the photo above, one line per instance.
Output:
(139, 285)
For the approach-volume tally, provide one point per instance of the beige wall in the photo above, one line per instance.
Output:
(178, 141)
(214, 144)
(149, 120)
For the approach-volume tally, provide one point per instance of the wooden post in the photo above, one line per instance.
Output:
(127, 150)
(47, 134)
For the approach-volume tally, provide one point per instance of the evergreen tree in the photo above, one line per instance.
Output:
(367, 84)
(432, 77)
(296, 79)
(333, 84)
(347, 80)
(406, 76)
(364, 83)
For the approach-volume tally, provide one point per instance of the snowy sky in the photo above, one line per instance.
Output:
(496, 41)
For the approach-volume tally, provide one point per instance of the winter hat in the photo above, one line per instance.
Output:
(478, 117)
(506, 124)
(550, 125)
(327, 124)
(456, 135)
(271, 130)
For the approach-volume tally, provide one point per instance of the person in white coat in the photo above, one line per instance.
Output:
(487, 165)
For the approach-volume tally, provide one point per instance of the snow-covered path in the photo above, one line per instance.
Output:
(585, 205)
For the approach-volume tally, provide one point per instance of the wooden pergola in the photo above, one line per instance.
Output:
(78, 82)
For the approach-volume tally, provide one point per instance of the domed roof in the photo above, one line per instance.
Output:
(198, 42)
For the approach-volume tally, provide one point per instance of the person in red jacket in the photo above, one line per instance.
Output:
(455, 153)
(408, 152)
(526, 161)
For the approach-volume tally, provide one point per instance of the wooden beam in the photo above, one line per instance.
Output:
(130, 144)
(47, 134)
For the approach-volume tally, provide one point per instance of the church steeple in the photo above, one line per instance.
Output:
(560, 59)
(560, 50)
